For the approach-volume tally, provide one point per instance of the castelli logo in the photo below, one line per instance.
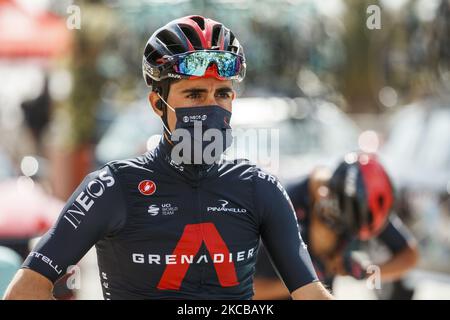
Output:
(147, 187)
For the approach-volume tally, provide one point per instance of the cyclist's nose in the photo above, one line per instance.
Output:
(211, 98)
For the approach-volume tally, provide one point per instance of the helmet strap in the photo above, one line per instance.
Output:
(162, 88)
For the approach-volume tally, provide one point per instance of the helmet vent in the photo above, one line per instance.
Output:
(148, 50)
(216, 35)
(200, 21)
(170, 40)
(381, 201)
(192, 36)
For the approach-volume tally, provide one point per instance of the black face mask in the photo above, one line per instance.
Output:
(201, 134)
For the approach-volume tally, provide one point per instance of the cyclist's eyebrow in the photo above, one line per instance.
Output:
(224, 90)
(194, 90)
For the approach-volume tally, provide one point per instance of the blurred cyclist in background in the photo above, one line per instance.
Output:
(337, 212)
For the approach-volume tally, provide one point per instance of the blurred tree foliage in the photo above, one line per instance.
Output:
(97, 27)
(293, 48)
(362, 57)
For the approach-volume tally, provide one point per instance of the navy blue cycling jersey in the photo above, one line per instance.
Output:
(395, 236)
(166, 231)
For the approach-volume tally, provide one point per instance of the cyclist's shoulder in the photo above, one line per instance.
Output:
(268, 183)
(142, 163)
(243, 169)
(248, 170)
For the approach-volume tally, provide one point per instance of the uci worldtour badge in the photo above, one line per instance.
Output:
(147, 187)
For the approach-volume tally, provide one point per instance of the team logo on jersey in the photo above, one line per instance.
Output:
(147, 187)
(153, 210)
(166, 209)
(86, 198)
(194, 235)
(224, 208)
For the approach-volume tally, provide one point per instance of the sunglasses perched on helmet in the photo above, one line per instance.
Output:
(223, 64)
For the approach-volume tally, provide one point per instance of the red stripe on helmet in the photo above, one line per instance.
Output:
(209, 24)
(378, 187)
(197, 29)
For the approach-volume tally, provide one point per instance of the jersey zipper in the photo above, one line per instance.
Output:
(197, 188)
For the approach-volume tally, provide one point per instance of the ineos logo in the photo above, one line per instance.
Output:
(85, 200)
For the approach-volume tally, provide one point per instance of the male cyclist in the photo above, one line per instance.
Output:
(178, 222)
(337, 212)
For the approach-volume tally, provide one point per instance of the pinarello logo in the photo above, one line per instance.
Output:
(147, 187)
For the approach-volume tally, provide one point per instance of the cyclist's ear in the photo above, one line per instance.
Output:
(156, 103)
